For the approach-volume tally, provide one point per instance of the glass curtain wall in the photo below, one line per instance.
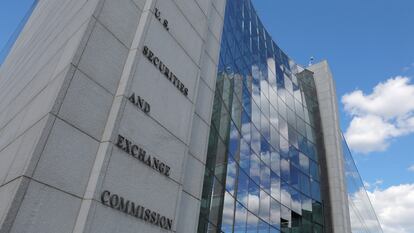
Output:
(262, 171)
(363, 216)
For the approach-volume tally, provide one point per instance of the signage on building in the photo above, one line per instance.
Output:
(164, 22)
(140, 103)
(165, 70)
(140, 154)
(121, 204)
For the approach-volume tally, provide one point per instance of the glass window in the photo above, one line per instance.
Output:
(285, 169)
(317, 228)
(256, 113)
(288, 84)
(291, 117)
(245, 152)
(304, 184)
(316, 190)
(285, 218)
(314, 170)
(231, 175)
(294, 177)
(216, 202)
(306, 207)
(264, 177)
(296, 222)
(304, 163)
(264, 212)
(243, 188)
(273, 98)
(255, 168)
(301, 126)
(285, 194)
(274, 117)
(283, 128)
(294, 156)
(255, 143)
(275, 213)
(275, 162)
(263, 227)
(296, 201)
(293, 138)
(252, 222)
(240, 219)
(281, 106)
(284, 147)
(264, 128)
(273, 230)
(264, 103)
(228, 214)
(317, 214)
(306, 226)
(234, 141)
(275, 186)
(274, 138)
(254, 192)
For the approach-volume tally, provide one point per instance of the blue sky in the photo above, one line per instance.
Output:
(366, 43)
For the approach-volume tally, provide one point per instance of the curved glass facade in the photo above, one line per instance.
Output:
(363, 216)
(262, 170)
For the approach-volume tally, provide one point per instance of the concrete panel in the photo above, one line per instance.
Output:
(169, 106)
(6, 157)
(30, 140)
(204, 5)
(199, 138)
(140, 3)
(194, 15)
(121, 17)
(42, 204)
(215, 23)
(193, 177)
(11, 196)
(7, 193)
(208, 71)
(189, 209)
(180, 29)
(86, 105)
(103, 58)
(213, 48)
(67, 159)
(204, 102)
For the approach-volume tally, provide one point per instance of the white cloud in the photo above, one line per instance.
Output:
(377, 118)
(411, 168)
(394, 207)
(373, 185)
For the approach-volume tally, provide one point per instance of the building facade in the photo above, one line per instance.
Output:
(165, 116)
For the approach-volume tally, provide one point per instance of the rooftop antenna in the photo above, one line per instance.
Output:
(311, 61)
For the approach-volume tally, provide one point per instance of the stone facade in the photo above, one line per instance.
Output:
(65, 99)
